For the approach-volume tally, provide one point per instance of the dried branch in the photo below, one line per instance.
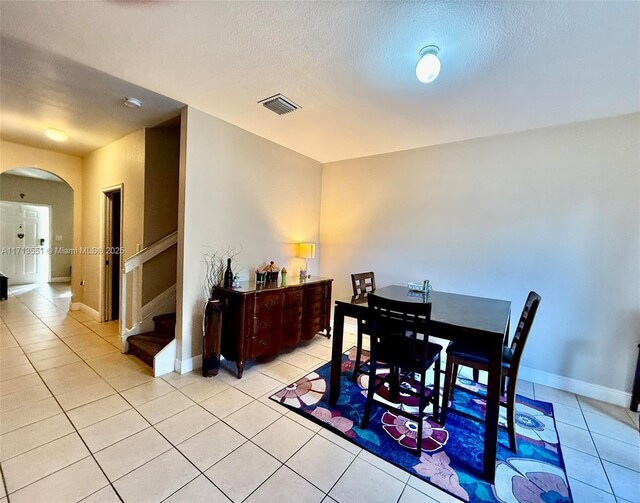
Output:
(215, 262)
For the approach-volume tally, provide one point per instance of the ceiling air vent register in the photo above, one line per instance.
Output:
(279, 104)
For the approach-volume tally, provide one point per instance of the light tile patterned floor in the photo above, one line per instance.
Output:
(82, 422)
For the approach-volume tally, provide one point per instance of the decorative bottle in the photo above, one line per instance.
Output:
(228, 275)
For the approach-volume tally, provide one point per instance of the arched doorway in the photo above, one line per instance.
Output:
(36, 226)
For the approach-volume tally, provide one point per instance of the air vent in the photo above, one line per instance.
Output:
(279, 104)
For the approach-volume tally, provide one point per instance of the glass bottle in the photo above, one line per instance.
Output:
(228, 275)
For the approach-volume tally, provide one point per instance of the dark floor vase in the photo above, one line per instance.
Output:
(211, 332)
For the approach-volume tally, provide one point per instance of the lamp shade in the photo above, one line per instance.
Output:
(306, 250)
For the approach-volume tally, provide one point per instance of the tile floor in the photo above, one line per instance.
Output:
(82, 422)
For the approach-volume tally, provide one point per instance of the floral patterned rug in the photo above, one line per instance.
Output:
(451, 456)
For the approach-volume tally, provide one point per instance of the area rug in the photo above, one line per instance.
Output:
(451, 456)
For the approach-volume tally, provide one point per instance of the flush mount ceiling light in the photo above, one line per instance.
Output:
(428, 67)
(130, 102)
(56, 134)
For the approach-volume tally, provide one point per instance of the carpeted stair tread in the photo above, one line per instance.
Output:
(165, 325)
(146, 346)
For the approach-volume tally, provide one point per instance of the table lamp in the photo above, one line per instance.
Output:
(306, 251)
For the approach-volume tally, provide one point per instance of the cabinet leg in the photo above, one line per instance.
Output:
(240, 365)
(329, 333)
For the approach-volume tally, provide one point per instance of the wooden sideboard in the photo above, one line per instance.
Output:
(261, 320)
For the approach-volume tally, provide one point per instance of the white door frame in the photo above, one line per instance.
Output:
(105, 271)
(47, 260)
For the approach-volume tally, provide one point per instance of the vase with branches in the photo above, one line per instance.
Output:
(213, 309)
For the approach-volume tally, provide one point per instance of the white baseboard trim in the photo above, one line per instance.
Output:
(79, 306)
(60, 279)
(184, 366)
(595, 391)
(164, 361)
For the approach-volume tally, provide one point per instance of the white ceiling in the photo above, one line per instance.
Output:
(506, 66)
(39, 89)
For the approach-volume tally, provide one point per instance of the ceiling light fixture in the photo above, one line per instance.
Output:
(56, 134)
(130, 102)
(428, 67)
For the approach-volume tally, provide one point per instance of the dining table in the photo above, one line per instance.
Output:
(455, 317)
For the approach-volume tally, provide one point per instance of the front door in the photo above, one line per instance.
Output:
(24, 236)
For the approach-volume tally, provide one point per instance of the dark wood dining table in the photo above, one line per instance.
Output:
(454, 317)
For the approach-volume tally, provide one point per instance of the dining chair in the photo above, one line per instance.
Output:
(362, 283)
(477, 358)
(399, 332)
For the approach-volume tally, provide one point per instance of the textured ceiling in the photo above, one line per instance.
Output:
(39, 89)
(506, 66)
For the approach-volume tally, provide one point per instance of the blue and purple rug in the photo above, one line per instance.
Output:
(451, 456)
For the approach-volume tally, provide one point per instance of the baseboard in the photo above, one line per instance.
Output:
(184, 366)
(61, 279)
(583, 388)
(590, 390)
(79, 306)
(164, 361)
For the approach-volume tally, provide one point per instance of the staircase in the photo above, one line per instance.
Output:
(147, 345)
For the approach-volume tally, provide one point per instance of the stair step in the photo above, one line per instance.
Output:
(146, 346)
(165, 325)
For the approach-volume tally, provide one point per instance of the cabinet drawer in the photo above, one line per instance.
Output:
(314, 310)
(267, 322)
(314, 294)
(293, 297)
(264, 345)
(312, 327)
(266, 302)
(291, 335)
(292, 316)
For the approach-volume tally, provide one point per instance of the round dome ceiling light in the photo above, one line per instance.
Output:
(56, 134)
(130, 102)
(428, 67)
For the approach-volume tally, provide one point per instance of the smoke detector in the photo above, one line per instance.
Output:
(279, 104)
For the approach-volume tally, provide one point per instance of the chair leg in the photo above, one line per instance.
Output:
(394, 383)
(422, 403)
(436, 391)
(370, 391)
(454, 378)
(356, 369)
(476, 375)
(511, 415)
(448, 378)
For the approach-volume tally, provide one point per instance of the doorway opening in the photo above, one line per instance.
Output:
(112, 252)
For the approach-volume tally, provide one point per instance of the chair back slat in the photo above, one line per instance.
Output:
(363, 282)
(399, 332)
(524, 327)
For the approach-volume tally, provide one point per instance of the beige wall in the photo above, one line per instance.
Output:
(59, 196)
(161, 177)
(556, 210)
(67, 167)
(240, 191)
(120, 162)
